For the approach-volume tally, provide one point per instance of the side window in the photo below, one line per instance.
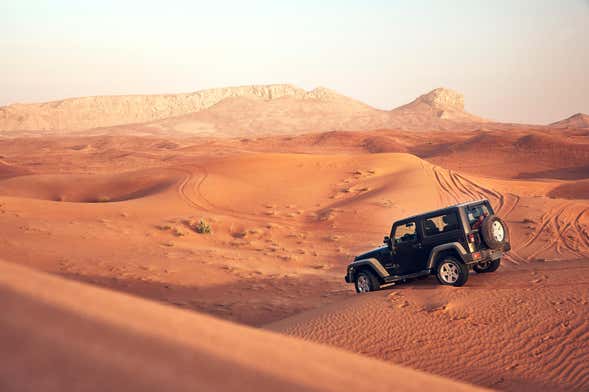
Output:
(405, 233)
(440, 224)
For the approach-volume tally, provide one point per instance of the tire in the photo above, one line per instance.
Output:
(366, 281)
(494, 232)
(451, 272)
(490, 266)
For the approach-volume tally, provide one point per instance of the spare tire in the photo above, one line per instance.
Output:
(494, 232)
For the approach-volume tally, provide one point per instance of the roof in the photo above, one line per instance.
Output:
(440, 210)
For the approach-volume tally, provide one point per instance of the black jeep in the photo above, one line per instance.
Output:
(445, 243)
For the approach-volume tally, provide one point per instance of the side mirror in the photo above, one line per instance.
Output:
(387, 240)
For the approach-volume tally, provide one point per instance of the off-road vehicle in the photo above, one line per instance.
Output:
(446, 243)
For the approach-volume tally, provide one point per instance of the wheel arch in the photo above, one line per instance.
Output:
(454, 249)
(372, 265)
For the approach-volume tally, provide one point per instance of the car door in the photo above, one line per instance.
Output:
(407, 247)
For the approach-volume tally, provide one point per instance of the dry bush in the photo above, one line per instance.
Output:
(201, 227)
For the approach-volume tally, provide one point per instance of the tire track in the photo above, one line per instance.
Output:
(460, 186)
(445, 186)
(181, 190)
(544, 220)
(190, 187)
(583, 235)
(560, 228)
(485, 191)
(557, 224)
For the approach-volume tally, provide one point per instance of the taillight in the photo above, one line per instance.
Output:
(471, 238)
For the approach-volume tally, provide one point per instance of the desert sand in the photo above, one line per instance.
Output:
(293, 185)
(61, 335)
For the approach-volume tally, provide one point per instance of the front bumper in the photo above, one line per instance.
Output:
(349, 273)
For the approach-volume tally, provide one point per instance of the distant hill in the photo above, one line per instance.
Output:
(579, 120)
(104, 111)
(236, 111)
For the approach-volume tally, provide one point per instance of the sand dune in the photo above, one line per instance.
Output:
(523, 154)
(107, 341)
(7, 171)
(89, 189)
(571, 190)
(287, 213)
(493, 332)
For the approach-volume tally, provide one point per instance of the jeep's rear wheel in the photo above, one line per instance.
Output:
(366, 282)
(489, 266)
(452, 272)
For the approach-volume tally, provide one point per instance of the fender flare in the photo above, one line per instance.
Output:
(373, 264)
(457, 246)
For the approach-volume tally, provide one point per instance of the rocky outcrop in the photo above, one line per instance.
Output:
(441, 103)
(442, 99)
(234, 111)
(578, 120)
(104, 111)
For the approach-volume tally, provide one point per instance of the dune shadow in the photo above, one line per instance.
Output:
(102, 188)
(254, 302)
(563, 173)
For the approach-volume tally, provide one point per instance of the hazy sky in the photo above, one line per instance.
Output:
(525, 61)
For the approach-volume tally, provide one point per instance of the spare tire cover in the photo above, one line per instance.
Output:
(494, 232)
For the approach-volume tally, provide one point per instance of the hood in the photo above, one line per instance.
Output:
(372, 253)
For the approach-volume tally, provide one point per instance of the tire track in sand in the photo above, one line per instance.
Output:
(190, 191)
(181, 189)
(459, 188)
(562, 227)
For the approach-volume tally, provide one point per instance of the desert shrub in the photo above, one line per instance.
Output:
(103, 199)
(202, 227)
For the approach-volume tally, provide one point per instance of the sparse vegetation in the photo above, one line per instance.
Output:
(201, 227)
(102, 199)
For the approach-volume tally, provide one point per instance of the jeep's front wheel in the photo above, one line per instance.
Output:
(366, 282)
(488, 266)
(452, 272)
